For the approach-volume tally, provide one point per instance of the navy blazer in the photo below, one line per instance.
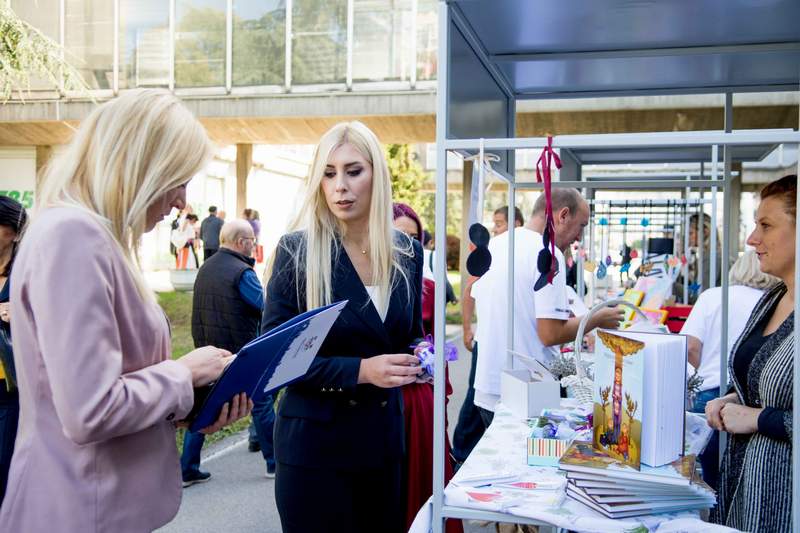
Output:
(326, 419)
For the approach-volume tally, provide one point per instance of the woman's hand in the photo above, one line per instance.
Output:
(391, 370)
(206, 364)
(232, 411)
(741, 419)
(5, 312)
(714, 408)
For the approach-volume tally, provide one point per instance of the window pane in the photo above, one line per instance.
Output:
(319, 41)
(44, 17)
(382, 40)
(143, 43)
(259, 45)
(89, 40)
(427, 36)
(200, 43)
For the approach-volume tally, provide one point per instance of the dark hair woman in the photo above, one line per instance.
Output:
(757, 411)
(12, 223)
(418, 400)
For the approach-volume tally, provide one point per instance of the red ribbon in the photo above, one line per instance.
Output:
(545, 160)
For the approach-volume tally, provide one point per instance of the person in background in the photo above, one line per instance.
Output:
(542, 319)
(756, 412)
(226, 313)
(500, 219)
(99, 392)
(184, 238)
(13, 219)
(209, 233)
(252, 217)
(703, 327)
(469, 428)
(222, 215)
(418, 400)
(339, 429)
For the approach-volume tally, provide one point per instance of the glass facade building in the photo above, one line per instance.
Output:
(242, 46)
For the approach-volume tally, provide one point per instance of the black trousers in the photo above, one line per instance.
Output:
(9, 417)
(208, 252)
(323, 500)
(470, 426)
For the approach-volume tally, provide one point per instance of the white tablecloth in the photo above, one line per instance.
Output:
(503, 448)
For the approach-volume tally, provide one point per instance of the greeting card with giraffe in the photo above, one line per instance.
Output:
(618, 399)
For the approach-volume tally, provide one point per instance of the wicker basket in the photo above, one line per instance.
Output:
(580, 386)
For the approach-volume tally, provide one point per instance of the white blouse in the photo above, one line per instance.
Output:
(377, 300)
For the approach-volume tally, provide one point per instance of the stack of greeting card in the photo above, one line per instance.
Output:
(617, 490)
(634, 464)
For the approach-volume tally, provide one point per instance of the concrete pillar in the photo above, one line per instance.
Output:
(244, 161)
(466, 203)
(43, 154)
(736, 211)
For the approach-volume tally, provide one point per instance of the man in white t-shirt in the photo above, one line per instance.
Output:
(541, 318)
(703, 328)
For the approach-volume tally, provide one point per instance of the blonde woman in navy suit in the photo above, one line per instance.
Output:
(339, 431)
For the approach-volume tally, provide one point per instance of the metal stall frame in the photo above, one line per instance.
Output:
(445, 143)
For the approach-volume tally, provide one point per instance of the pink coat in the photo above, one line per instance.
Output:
(98, 392)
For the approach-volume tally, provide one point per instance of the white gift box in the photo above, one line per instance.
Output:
(525, 396)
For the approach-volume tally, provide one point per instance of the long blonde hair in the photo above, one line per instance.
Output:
(126, 155)
(323, 229)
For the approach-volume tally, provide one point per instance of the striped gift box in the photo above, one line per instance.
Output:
(546, 452)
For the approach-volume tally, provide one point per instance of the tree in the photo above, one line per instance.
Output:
(26, 52)
(408, 178)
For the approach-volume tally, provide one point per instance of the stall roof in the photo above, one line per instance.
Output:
(635, 47)
(623, 155)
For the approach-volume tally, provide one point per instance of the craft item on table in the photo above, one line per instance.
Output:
(617, 490)
(656, 316)
(479, 260)
(551, 434)
(698, 433)
(634, 297)
(424, 351)
(547, 263)
(639, 395)
(527, 391)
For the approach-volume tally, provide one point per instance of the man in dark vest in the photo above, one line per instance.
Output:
(226, 313)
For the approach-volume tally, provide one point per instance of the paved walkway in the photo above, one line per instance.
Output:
(239, 498)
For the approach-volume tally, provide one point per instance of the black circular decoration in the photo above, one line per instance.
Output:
(479, 235)
(479, 260)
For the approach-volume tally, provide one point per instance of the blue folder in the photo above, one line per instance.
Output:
(269, 362)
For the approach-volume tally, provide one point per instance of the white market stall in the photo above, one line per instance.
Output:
(493, 53)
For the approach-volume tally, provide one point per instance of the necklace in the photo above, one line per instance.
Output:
(364, 252)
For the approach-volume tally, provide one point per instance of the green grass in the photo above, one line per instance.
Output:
(178, 307)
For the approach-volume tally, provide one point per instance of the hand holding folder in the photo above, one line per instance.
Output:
(267, 363)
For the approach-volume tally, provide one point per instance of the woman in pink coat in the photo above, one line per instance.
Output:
(99, 395)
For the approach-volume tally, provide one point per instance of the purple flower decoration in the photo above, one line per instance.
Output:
(425, 352)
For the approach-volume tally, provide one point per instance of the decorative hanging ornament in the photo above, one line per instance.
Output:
(624, 268)
(601, 271)
(609, 261)
(546, 262)
(683, 260)
(673, 261)
(645, 222)
(603, 221)
(634, 253)
(590, 266)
